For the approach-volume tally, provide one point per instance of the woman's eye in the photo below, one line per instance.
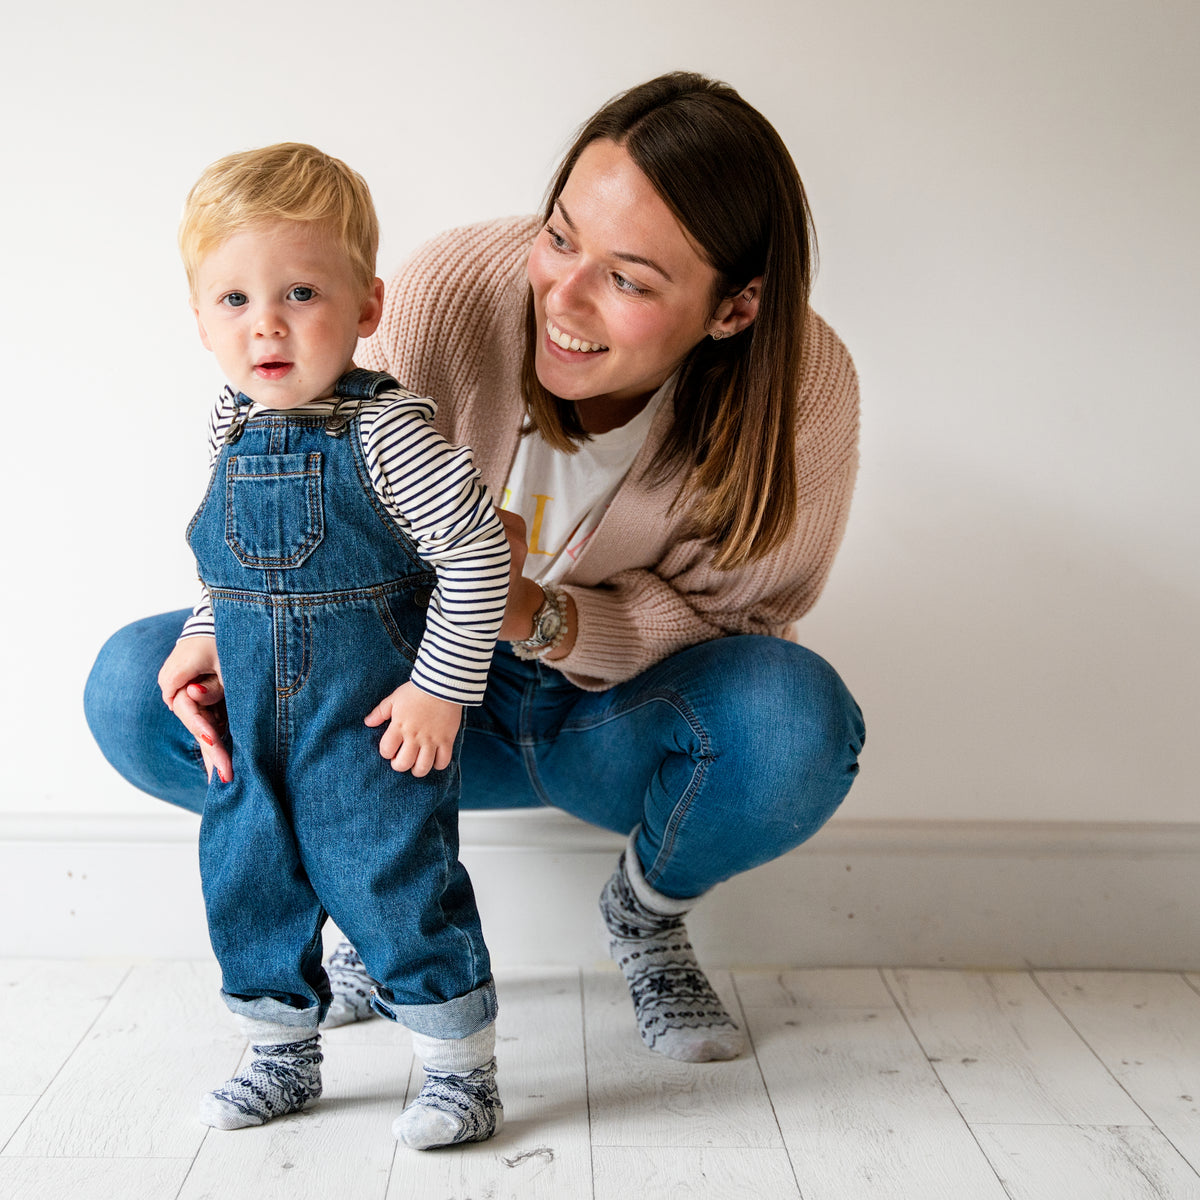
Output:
(302, 294)
(627, 285)
(556, 239)
(235, 299)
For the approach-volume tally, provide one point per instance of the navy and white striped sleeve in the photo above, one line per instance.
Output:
(433, 491)
(200, 623)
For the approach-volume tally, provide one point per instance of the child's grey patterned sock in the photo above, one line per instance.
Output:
(351, 987)
(459, 1101)
(678, 1013)
(284, 1077)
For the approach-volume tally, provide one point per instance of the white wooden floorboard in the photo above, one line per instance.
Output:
(542, 1152)
(1145, 1028)
(861, 1111)
(813, 988)
(91, 1178)
(341, 1146)
(130, 1088)
(1083, 1085)
(13, 1110)
(1004, 1052)
(45, 1009)
(1079, 1162)
(639, 1098)
(692, 1173)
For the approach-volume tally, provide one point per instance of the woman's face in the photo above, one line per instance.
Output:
(621, 292)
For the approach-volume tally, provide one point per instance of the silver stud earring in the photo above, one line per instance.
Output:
(717, 335)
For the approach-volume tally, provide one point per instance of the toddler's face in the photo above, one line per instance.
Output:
(279, 306)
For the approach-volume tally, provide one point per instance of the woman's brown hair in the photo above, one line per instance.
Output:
(728, 178)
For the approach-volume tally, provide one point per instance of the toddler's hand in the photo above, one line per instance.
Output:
(191, 686)
(420, 735)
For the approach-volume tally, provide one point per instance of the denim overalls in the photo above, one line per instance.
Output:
(319, 603)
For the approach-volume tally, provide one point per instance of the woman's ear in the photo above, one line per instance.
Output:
(736, 312)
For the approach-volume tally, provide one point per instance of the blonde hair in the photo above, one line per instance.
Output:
(289, 181)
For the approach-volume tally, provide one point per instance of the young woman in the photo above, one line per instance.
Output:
(673, 433)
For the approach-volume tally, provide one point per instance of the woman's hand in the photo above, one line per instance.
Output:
(420, 735)
(191, 686)
(524, 596)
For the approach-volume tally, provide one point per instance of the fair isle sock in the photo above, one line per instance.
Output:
(459, 1101)
(351, 987)
(678, 1013)
(283, 1077)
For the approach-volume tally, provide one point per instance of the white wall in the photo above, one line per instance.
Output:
(1006, 197)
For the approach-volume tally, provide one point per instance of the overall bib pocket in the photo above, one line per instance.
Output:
(274, 517)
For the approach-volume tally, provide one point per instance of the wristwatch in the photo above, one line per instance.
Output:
(549, 625)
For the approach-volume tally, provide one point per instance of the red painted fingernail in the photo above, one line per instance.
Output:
(206, 739)
(200, 688)
(221, 777)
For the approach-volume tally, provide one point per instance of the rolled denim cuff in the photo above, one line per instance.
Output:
(655, 901)
(457, 1018)
(301, 1022)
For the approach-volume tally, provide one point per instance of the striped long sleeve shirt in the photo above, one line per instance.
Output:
(433, 492)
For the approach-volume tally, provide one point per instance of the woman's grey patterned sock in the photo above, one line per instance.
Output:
(459, 1101)
(284, 1077)
(351, 987)
(678, 1013)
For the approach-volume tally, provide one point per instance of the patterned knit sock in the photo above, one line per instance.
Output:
(678, 1013)
(351, 987)
(284, 1077)
(459, 1101)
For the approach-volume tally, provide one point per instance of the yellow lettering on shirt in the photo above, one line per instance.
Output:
(536, 532)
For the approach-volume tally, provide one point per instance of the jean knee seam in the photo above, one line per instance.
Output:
(682, 806)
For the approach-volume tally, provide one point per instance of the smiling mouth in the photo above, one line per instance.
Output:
(566, 342)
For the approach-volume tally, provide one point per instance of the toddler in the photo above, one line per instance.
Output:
(354, 577)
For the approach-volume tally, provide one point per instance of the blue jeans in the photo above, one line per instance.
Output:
(727, 754)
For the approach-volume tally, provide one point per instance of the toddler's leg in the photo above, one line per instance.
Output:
(460, 1101)
(351, 987)
(678, 1013)
(284, 1077)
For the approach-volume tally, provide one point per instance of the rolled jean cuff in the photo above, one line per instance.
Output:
(457, 1018)
(282, 1018)
(656, 902)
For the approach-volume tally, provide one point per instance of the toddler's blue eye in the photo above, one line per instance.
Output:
(235, 299)
(302, 294)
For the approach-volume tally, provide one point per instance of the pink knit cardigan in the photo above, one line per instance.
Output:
(453, 329)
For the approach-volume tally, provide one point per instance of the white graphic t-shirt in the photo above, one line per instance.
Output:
(563, 497)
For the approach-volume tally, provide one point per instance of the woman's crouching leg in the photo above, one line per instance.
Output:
(771, 750)
(745, 748)
(134, 729)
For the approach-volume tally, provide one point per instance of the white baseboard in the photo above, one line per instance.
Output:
(863, 893)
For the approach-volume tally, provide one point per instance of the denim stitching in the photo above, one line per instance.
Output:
(305, 667)
(527, 742)
(682, 806)
(364, 481)
(393, 631)
(313, 535)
